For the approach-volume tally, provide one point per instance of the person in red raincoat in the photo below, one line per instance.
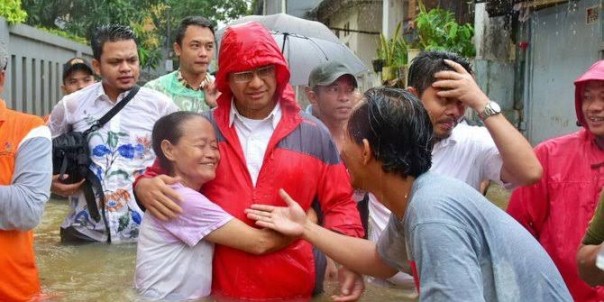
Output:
(558, 208)
(266, 143)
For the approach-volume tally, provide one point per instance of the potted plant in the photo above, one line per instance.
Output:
(392, 54)
(437, 29)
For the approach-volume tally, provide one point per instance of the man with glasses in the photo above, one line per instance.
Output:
(266, 143)
(25, 176)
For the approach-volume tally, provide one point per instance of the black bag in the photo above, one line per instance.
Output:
(71, 155)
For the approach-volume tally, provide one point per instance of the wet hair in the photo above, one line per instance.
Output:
(109, 33)
(169, 127)
(192, 21)
(426, 64)
(398, 129)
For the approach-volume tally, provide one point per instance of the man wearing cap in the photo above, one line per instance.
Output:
(191, 87)
(25, 174)
(77, 74)
(332, 94)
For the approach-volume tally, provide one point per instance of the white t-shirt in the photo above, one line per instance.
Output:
(172, 260)
(469, 154)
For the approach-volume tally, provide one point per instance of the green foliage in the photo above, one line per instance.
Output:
(12, 12)
(65, 34)
(437, 29)
(148, 18)
(394, 50)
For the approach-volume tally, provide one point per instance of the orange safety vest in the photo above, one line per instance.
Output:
(18, 272)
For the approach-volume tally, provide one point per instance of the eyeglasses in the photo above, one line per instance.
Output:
(248, 76)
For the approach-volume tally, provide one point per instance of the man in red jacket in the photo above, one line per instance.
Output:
(266, 143)
(557, 209)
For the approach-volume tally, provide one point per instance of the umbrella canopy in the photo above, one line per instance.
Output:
(303, 54)
(304, 44)
(285, 23)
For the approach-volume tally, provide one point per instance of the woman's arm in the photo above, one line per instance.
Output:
(236, 234)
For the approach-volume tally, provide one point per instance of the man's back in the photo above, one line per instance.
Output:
(458, 230)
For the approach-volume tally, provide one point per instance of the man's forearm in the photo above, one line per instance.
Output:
(586, 262)
(357, 254)
(520, 164)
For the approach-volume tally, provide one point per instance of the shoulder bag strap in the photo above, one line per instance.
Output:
(109, 115)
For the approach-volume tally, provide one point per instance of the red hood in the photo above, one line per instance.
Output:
(248, 46)
(594, 73)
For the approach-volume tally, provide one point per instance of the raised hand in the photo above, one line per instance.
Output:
(459, 84)
(288, 220)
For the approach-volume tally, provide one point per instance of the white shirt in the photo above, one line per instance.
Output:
(469, 154)
(120, 150)
(254, 136)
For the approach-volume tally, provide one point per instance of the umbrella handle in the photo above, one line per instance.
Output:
(284, 39)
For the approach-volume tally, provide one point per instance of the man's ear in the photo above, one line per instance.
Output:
(96, 65)
(367, 152)
(413, 90)
(168, 149)
(177, 49)
(311, 95)
(2, 79)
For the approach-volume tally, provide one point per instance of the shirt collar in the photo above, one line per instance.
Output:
(452, 139)
(275, 115)
(100, 94)
(184, 82)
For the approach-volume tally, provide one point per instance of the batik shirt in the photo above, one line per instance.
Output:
(120, 151)
(187, 98)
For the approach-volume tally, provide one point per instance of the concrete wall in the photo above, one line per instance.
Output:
(562, 45)
(494, 61)
(35, 66)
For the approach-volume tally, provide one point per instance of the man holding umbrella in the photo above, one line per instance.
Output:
(266, 143)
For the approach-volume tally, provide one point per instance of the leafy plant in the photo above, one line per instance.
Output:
(393, 51)
(12, 12)
(437, 29)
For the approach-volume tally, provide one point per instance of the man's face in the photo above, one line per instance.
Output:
(444, 113)
(118, 65)
(593, 107)
(77, 80)
(197, 50)
(352, 156)
(335, 101)
(254, 91)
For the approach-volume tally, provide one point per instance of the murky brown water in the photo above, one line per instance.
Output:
(101, 272)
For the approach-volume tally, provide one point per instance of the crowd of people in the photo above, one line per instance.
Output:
(230, 189)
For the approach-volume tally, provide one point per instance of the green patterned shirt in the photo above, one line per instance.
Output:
(183, 95)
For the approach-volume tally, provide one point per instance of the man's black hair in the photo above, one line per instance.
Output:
(426, 64)
(192, 21)
(398, 129)
(169, 127)
(111, 33)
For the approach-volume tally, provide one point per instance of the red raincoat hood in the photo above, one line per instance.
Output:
(248, 46)
(594, 73)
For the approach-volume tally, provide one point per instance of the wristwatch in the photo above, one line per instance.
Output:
(489, 110)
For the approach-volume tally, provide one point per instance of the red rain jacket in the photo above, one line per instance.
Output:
(301, 158)
(558, 208)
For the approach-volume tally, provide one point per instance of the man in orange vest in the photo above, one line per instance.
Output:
(25, 176)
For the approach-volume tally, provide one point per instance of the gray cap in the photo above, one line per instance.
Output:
(327, 73)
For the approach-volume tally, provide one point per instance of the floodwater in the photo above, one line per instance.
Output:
(101, 272)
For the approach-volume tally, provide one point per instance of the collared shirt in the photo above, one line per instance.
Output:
(184, 82)
(470, 155)
(184, 96)
(254, 136)
(120, 150)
